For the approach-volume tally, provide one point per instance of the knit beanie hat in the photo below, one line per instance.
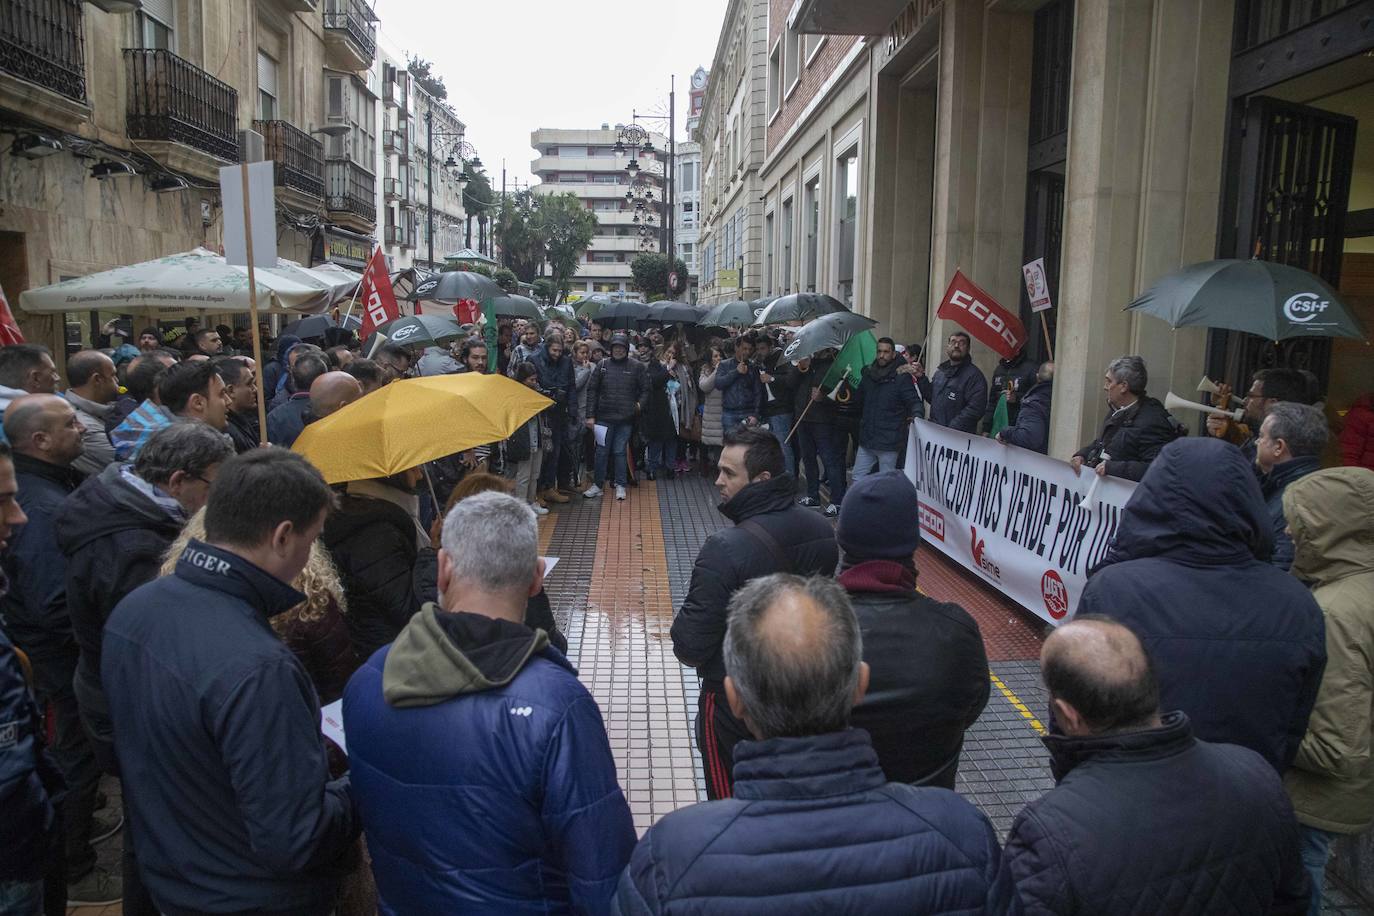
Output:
(879, 518)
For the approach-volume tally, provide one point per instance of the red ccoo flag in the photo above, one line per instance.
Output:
(9, 328)
(980, 315)
(379, 300)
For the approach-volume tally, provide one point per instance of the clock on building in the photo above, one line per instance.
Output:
(699, 79)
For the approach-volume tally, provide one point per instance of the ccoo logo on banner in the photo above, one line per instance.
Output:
(1027, 530)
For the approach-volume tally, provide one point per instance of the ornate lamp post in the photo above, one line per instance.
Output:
(466, 155)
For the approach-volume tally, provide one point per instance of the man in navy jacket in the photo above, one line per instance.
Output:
(1239, 645)
(889, 401)
(216, 724)
(1031, 428)
(742, 393)
(481, 765)
(959, 391)
(814, 825)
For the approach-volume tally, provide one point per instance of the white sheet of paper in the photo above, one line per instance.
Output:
(600, 432)
(331, 724)
(549, 564)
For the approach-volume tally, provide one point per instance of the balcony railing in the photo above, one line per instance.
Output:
(172, 99)
(43, 42)
(354, 19)
(298, 157)
(393, 189)
(350, 188)
(397, 235)
(394, 141)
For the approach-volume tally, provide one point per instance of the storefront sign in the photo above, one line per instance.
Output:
(727, 279)
(350, 251)
(907, 22)
(1017, 519)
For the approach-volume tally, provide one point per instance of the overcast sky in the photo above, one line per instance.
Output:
(515, 65)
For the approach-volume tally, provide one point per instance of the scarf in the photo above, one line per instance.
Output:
(882, 576)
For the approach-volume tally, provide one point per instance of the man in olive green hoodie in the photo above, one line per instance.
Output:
(1331, 518)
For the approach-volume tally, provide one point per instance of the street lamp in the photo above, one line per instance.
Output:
(635, 139)
(464, 151)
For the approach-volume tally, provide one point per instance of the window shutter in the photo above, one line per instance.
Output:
(161, 10)
(267, 75)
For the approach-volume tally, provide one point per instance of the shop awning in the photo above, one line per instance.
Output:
(848, 17)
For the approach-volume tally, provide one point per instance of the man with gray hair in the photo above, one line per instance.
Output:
(813, 826)
(1136, 428)
(1289, 447)
(480, 762)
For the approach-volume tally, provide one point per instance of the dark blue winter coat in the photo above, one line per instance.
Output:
(1032, 427)
(1272, 486)
(35, 610)
(740, 393)
(1238, 645)
(217, 729)
(888, 401)
(483, 773)
(555, 376)
(30, 786)
(815, 827)
(957, 395)
(1156, 821)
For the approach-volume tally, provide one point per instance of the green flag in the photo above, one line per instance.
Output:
(859, 351)
(489, 334)
(999, 417)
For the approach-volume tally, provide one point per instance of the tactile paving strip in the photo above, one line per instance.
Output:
(1009, 630)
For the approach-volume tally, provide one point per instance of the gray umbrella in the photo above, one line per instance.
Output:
(799, 307)
(674, 313)
(418, 330)
(739, 314)
(513, 306)
(826, 332)
(452, 285)
(1270, 300)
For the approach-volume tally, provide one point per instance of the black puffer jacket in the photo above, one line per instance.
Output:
(957, 395)
(928, 673)
(1021, 368)
(732, 556)
(617, 391)
(373, 545)
(803, 380)
(555, 377)
(1131, 438)
(887, 402)
(1157, 822)
(114, 539)
(657, 421)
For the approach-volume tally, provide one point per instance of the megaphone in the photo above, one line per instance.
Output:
(835, 392)
(1211, 387)
(1172, 401)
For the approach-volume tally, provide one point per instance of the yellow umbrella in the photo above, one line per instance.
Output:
(415, 420)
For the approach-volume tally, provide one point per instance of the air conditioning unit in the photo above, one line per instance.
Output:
(251, 146)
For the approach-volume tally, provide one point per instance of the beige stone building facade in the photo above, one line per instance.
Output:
(119, 122)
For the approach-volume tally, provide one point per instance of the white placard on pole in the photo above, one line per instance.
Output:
(262, 214)
(1037, 286)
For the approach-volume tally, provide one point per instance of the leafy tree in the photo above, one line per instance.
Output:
(544, 290)
(568, 228)
(506, 279)
(478, 202)
(520, 234)
(422, 71)
(650, 271)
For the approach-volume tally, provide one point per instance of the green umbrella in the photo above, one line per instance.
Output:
(1269, 300)
(738, 314)
(589, 306)
(512, 306)
(859, 351)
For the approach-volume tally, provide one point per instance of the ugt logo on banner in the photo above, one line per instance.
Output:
(980, 315)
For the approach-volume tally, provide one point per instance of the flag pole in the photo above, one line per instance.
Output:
(812, 401)
(1045, 326)
(253, 307)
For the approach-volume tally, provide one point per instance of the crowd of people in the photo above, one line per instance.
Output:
(179, 602)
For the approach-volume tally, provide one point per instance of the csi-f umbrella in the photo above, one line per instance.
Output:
(416, 420)
(452, 285)
(1273, 301)
(621, 315)
(827, 332)
(513, 306)
(418, 330)
(673, 313)
(737, 314)
(798, 307)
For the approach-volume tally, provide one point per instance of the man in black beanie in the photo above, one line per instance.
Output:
(929, 673)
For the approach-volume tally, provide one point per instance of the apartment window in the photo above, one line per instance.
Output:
(811, 222)
(551, 151)
(768, 243)
(606, 179)
(267, 88)
(688, 251)
(606, 206)
(791, 59)
(785, 286)
(688, 181)
(810, 44)
(775, 78)
(154, 23)
(573, 177)
(847, 211)
(602, 257)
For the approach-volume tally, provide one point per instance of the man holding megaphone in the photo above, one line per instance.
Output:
(1135, 430)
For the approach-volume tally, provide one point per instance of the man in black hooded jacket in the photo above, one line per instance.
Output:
(1239, 645)
(771, 534)
(1135, 430)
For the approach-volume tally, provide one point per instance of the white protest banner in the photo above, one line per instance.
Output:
(1016, 518)
(1037, 286)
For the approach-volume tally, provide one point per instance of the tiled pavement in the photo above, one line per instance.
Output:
(624, 567)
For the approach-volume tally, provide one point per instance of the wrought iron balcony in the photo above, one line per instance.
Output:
(393, 189)
(173, 99)
(43, 42)
(395, 141)
(350, 33)
(350, 189)
(397, 235)
(298, 157)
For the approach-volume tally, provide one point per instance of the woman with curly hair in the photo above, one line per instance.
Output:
(314, 630)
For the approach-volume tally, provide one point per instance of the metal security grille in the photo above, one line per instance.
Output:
(43, 42)
(1258, 21)
(172, 99)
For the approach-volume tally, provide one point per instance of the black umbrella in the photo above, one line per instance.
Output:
(418, 330)
(674, 313)
(731, 314)
(799, 307)
(621, 315)
(452, 285)
(319, 325)
(825, 333)
(512, 306)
